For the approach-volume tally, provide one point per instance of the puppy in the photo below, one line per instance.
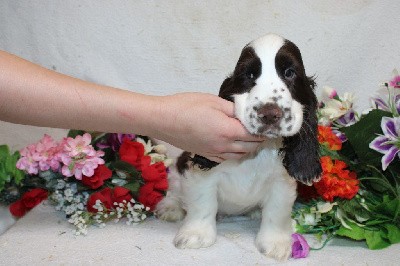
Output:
(273, 97)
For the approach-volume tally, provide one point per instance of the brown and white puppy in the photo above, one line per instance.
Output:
(273, 97)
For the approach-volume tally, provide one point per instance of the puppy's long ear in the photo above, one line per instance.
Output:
(226, 89)
(301, 151)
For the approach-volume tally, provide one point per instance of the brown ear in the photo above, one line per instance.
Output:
(225, 91)
(301, 151)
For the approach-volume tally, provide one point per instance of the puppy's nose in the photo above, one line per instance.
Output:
(270, 113)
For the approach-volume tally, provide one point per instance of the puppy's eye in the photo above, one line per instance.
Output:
(290, 73)
(250, 75)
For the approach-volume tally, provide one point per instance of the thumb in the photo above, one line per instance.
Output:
(227, 107)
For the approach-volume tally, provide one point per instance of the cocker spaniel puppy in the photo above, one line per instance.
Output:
(273, 97)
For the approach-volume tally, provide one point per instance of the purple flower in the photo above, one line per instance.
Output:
(380, 103)
(347, 119)
(340, 135)
(389, 143)
(300, 247)
(114, 141)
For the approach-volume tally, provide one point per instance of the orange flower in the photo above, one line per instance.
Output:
(336, 181)
(328, 138)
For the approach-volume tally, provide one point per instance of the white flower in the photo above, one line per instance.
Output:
(328, 93)
(155, 157)
(161, 149)
(310, 219)
(324, 207)
(147, 145)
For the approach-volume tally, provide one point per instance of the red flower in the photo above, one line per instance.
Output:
(29, 200)
(148, 196)
(104, 196)
(95, 181)
(328, 138)
(108, 196)
(133, 152)
(306, 193)
(157, 174)
(120, 194)
(336, 181)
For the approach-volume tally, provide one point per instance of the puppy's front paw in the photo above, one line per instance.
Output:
(195, 237)
(169, 210)
(275, 245)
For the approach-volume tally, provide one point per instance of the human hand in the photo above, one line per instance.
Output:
(204, 124)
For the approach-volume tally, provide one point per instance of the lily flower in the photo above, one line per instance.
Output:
(388, 143)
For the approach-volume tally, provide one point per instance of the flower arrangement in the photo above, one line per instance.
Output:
(359, 193)
(97, 177)
(91, 177)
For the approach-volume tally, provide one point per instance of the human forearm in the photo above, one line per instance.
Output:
(197, 122)
(33, 95)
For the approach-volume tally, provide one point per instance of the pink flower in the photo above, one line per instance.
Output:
(79, 157)
(27, 162)
(395, 82)
(47, 154)
(40, 156)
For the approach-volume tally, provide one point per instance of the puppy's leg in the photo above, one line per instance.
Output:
(274, 238)
(200, 201)
(170, 208)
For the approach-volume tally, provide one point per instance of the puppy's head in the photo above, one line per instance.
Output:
(274, 97)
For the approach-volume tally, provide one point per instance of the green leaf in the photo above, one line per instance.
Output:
(389, 207)
(376, 239)
(8, 169)
(356, 232)
(129, 169)
(4, 152)
(73, 133)
(133, 187)
(393, 233)
(362, 133)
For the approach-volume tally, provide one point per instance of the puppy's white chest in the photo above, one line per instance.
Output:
(243, 185)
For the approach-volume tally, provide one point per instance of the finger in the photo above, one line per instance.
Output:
(232, 155)
(244, 146)
(214, 158)
(227, 107)
(240, 133)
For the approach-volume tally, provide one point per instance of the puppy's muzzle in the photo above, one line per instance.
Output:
(270, 114)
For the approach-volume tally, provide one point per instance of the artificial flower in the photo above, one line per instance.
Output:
(27, 162)
(157, 174)
(395, 82)
(337, 107)
(347, 119)
(95, 181)
(41, 156)
(121, 194)
(328, 138)
(324, 207)
(328, 93)
(79, 157)
(388, 143)
(306, 193)
(108, 198)
(300, 247)
(114, 141)
(149, 196)
(133, 152)
(336, 181)
(29, 200)
(104, 196)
